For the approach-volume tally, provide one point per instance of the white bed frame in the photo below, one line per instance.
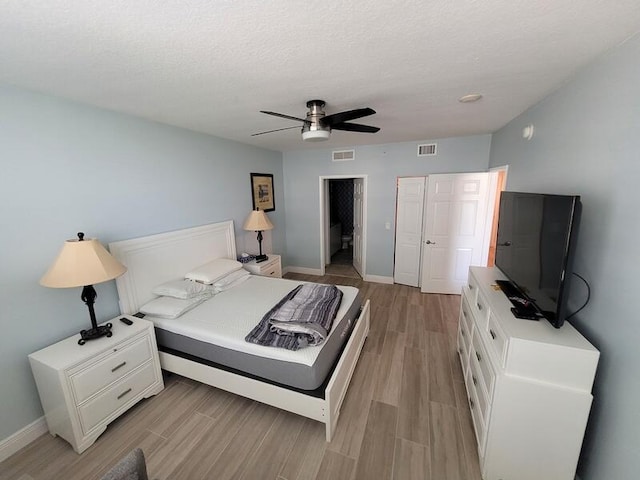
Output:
(159, 258)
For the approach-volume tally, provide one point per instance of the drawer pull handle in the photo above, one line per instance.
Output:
(479, 306)
(493, 334)
(474, 379)
(478, 357)
(128, 390)
(470, 287)
(117, 367)
(471, 404)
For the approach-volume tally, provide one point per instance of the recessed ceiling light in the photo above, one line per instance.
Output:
(472, 97)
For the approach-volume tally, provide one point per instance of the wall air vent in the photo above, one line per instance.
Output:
(427, 150)
(343, 155)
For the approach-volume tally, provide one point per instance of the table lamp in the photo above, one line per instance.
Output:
(258, 222)
(83, 263)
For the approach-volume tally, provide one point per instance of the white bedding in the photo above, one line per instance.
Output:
(226, 318)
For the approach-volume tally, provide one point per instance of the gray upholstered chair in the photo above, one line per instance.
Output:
(131, 467)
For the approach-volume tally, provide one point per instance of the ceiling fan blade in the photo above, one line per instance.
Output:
(277, 130)
(355, 127)
(340, 117)
(282, 115)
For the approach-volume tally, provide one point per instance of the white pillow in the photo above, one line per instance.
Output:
(169, 307)
(228, 286)
(213, 271)
(231, 277)
(182, 288)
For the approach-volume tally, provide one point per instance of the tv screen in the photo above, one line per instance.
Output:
(536, 238)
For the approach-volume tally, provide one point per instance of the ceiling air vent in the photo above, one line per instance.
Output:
(343, 155)
(427, 150)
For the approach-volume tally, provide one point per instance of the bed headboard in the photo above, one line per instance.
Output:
(159, 258)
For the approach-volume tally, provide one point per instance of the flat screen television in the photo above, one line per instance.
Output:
(535, 249)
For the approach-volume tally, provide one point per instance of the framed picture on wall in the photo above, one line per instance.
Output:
(262, 192)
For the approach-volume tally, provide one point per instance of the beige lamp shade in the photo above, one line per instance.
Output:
(80, 263)
(258, 221)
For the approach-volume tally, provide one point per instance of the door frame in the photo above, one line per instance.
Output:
(494, 198)
(324, 217)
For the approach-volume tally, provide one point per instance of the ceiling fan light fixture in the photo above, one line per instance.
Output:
(472, 97)
(314, 131)
(318, 125)
(315, 135)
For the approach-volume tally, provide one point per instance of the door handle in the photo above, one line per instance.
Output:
(429, 242)
(505, 244)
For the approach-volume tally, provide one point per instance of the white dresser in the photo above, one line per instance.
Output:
(528, 385)
(269, 268)
(85, 387)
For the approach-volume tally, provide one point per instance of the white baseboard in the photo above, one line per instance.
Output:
(22, 438)
(378, 279)
(303, 270)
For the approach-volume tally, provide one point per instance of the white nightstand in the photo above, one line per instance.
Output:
(85, 387)
(268, 268)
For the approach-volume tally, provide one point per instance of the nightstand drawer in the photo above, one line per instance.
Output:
(97, 376)
(96, 410)
(272, 271)
(269, 268)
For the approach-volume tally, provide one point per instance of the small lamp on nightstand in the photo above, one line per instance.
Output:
(82, 263)
(258, 221)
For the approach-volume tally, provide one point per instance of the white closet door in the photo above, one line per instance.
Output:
(409, 212)
(456, 213)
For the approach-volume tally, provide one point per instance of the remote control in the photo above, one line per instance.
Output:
(126, 321)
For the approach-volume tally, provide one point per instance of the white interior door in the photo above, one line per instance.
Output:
(455, 233)
(358, 213)
(409, 212)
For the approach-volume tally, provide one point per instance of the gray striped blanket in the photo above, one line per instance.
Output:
(302, 318)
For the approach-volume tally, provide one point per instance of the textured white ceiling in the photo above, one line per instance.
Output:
(211, 65)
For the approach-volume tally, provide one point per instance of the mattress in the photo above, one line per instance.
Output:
(215, 331)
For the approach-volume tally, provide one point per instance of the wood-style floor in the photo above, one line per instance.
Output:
(342, 264)
(405, 416)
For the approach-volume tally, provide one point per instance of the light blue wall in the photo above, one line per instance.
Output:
(383, 164)
(587, 141)
(66, 168)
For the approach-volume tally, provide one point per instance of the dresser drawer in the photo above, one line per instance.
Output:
(463, 350)
(472, 288)
(476, 415)
(487, 375)
(96, 410)
(95, 377)
(497, 339)
(480, 309)
(478, 385)
(466, 319)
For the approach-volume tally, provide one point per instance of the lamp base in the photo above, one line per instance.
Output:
(261, 258)
(93, 333)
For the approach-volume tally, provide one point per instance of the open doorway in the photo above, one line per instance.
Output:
(500, 185)
(340, 224)
(342, 203)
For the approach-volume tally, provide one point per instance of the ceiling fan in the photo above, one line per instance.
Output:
(318, 125)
